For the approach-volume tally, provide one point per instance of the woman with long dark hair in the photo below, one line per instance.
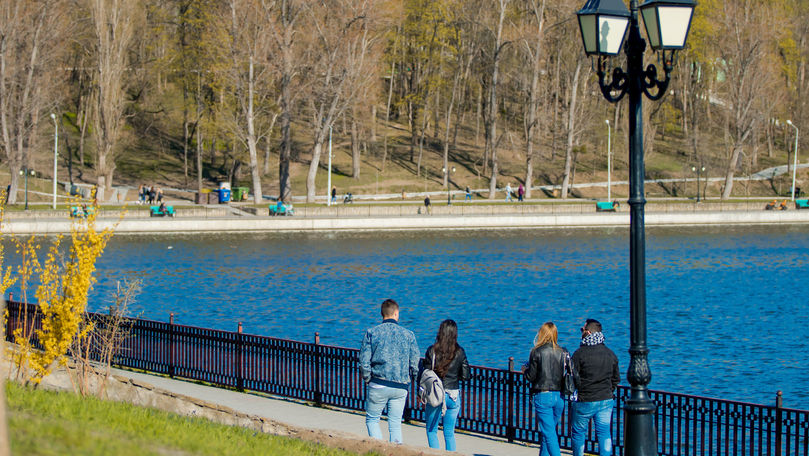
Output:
(452, 367)
(545, 373)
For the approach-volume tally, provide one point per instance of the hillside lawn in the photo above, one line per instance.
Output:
(57, 423)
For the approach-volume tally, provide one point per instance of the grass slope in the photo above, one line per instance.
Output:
(51, 423)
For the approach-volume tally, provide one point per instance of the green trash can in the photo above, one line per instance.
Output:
(240, 193)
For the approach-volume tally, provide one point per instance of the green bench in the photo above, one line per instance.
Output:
(81, 211)
(607, 206)
(282, 210)
(154, 211)
(802, 204)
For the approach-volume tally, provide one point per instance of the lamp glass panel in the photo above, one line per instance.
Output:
(587, 24)
(611, 30)
(650, 21)
(674, 21)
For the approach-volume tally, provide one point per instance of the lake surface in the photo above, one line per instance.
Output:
(727, 313)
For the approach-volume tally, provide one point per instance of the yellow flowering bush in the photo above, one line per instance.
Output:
(63, 285)
(62, 293)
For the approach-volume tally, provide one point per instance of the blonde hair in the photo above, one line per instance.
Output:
(547, 333)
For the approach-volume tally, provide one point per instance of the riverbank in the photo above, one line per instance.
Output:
(379, 221)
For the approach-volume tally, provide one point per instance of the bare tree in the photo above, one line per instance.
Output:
(28, 36)
(492, 78)
(744, 58)
(341, 67)
(115, 23)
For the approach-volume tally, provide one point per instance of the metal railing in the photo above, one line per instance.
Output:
(495, 402)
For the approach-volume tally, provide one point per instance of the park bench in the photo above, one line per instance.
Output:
(81, 211)
(154, 211)
(607, 206)
(802, 204)
(283, 210)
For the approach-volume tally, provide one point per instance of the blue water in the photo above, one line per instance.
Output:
(727, 314)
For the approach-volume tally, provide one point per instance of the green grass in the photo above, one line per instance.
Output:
(51, 423)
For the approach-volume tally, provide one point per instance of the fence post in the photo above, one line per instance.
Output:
(779, 404)
(510, 431)
(239, 359)
(316, 367)
(171, 345)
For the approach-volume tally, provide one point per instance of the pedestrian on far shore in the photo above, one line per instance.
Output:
(428, 208)
(334, 194)
(520, 193)
(389, 359)
(545, 373)
(452, 367)
(598, 377)
(151, 194)
(468, 196)
(508, 192)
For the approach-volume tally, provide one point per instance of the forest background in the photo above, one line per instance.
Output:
(187, 93)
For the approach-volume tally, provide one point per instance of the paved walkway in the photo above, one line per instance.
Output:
(310, 417)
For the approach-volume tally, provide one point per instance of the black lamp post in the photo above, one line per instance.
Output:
(603, 25)
(698, 169)
(447, 171)
(25, 172)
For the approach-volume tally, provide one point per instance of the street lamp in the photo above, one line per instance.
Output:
(25, 172)
(328, 186)
(698, 169)
(451, 170)
(55, 154)
(609, 163)
(603, 25)
(795, 162)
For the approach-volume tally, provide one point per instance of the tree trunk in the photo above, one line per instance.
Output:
(251, 137)
(311, 190)
(731, 170)
(355, 147)
(571, 119)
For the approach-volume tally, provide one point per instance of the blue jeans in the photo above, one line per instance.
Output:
(549, 407)
(433, 416)
(376, 401)
(601, 411)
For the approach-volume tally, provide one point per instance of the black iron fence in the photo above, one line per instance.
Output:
(494, 402)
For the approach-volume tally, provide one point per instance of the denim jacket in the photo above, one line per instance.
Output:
(389, 354)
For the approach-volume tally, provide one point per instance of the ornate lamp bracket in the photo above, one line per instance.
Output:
(650, 81)
(618, 82)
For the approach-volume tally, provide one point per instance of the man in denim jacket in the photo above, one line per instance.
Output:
(389, 358)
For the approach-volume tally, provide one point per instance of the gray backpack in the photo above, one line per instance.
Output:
(431, 389)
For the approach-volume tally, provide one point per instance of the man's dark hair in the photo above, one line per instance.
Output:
(592, 325)
(389, 307)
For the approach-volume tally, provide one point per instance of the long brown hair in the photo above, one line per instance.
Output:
(445, 346)
(547, 333)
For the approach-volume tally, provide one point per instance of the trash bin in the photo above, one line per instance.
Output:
(224, 195)
(198, 198)
(240, 193)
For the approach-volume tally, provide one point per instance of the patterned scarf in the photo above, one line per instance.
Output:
(593, 339)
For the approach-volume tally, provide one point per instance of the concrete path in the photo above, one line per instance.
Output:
(306, 416)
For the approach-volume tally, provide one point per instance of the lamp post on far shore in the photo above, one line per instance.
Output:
(328, 185)
(55, 154)
(447, 173)
(603, 25)
(609, 163)
(795, 159)
(25, 172)
(698, 169)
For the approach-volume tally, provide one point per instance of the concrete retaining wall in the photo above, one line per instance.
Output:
(423, 222)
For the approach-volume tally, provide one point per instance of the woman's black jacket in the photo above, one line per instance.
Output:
(544, 371)
(457, 371)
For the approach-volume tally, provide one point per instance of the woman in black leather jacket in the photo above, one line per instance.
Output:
(545, 373)
(452, 367)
